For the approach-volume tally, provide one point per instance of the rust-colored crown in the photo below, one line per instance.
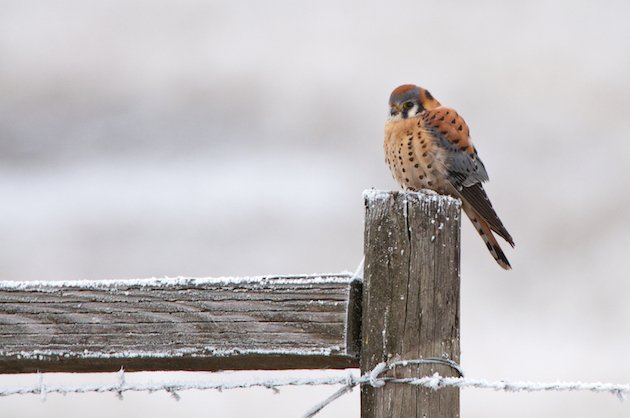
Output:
(413, 92)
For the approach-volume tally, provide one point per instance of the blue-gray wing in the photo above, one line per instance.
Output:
(465, 169)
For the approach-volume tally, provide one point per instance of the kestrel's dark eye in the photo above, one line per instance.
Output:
(408, 105)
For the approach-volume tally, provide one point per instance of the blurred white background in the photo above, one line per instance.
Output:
(208, 138)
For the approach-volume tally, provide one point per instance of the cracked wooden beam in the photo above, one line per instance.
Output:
(272, 322)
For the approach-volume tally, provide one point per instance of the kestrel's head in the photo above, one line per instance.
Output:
(409, 100)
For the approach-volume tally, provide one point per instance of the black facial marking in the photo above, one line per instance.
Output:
(407, 111)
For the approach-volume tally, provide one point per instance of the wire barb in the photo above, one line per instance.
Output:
(121, 383)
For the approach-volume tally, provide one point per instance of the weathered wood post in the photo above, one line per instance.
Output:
(410, 300)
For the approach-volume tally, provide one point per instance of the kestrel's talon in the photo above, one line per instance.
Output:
(429, 191)
(441, 159)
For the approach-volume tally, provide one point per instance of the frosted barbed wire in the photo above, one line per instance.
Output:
(349, 381)
(172, 386)
(436, 382)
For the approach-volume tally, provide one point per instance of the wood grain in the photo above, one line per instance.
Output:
(410, 299)
(275, 322)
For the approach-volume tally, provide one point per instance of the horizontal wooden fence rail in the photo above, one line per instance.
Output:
(272, 322)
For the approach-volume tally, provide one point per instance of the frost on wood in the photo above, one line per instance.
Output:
(177, 282)
(372, 195)
(270, 322)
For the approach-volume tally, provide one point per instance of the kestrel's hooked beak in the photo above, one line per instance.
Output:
(394, 109)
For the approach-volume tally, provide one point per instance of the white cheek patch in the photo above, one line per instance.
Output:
(413, 111)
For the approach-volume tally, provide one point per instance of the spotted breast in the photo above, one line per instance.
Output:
(414, 157)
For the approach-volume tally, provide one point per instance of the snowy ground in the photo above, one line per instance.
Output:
(209, 139)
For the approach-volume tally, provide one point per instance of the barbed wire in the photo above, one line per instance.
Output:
(350, 380)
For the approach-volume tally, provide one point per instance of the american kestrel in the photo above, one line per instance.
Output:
(428, 146)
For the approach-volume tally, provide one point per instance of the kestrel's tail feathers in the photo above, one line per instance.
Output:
(476, 197)
(484, 230)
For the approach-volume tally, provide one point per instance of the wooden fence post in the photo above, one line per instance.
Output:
(410, 300)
